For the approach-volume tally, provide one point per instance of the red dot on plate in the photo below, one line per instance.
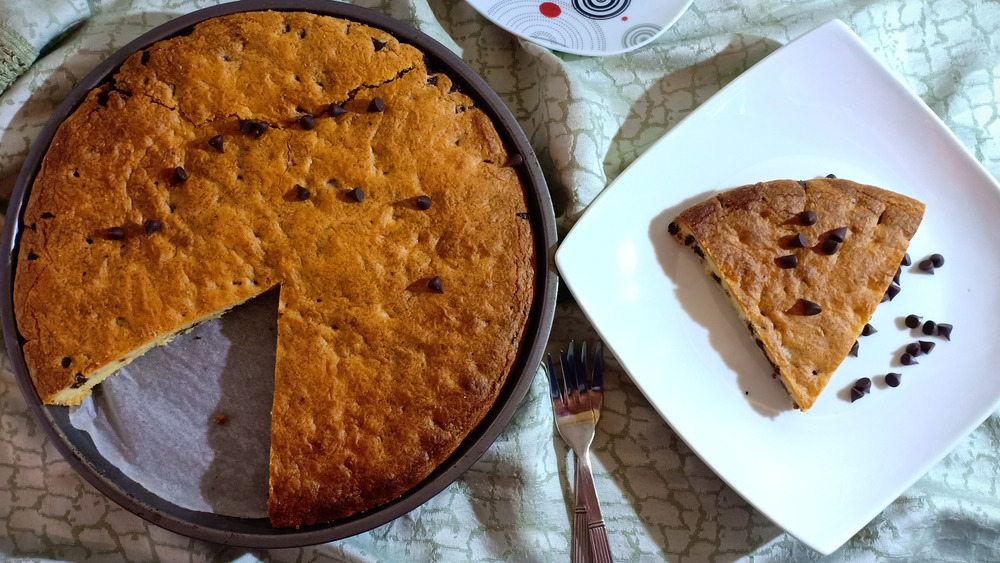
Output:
(624, 18)
(549, 10)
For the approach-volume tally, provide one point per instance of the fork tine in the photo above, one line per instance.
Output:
(553, 382)
(581, 369)
(569, 377)
(598, 379)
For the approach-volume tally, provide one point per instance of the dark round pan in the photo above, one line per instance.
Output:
(77, 447)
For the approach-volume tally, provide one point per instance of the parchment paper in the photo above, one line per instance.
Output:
(156, 419)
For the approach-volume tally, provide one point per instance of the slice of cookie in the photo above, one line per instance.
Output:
(805, 264)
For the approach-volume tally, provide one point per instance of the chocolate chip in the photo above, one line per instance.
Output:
(377, 44)
(907, 360)
(217, 143)
(718, 280)
(892, 379)
(854, 349)
(830, 246)
(308, 122)
(912, 321)
(424, 203)
(102, 99)
(180, 175)
(808, 217)
(253, 127)
(698, 251)
(301, 193)
(377, 105)
(523, 215)
(895, 278)
(930, 327)
(32, 256)
(116, 233)
(831, 176)
(906, 259)
(357, 194)
(79, 382)
(864, 384)
(144, 59)
(789, 261)
(432, 80)
(672, 228)
(514, 160)
(689, 240)
(802, 183)
(868, 330)
(798, 241)
(47, 215)
(151, 226)
(856, 394)
(838, 234)
(913, 349)
(944, 331)
(336, 110)
(436, 285)
(937, 260)
(809, 308)
(893, 291)
(927, 266)
(66, 361)
(927, 346)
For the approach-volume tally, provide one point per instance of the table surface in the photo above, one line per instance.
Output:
(587, 118)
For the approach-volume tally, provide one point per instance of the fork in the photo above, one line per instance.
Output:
(577, 408)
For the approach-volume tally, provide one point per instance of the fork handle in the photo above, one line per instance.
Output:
(580, 549)
(600, 550)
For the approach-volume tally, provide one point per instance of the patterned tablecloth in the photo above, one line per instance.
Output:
(587, 119)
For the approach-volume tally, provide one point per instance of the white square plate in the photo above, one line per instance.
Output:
(821, 104)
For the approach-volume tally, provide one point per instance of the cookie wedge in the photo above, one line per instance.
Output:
(805, 313)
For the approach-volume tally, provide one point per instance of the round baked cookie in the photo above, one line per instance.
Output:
(310, 153)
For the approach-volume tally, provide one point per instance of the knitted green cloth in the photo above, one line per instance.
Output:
(16, 55)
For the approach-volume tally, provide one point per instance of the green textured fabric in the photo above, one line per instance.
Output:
(16, 55)
(587, 119)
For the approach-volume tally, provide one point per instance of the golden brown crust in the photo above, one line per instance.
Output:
(743, 231)
(378, 378)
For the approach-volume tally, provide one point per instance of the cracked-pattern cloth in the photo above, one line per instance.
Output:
(587, 118)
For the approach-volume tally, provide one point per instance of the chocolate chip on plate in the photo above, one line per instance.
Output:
(936, 260)
(892, 379)
(810, 308)
(217, 143)
(930, 327)
(912, 321)
(927, 266)
(116, 233)
(926, 346)
(856, 394)
(893, 291)
(151, 226)
(180, 175)
(357, 194)
(854, 349)
(789, 261)
(436, 285)
(906, 259)
(830, 246)
(944, 331)
(808, 217)
(913, 349)
(689, 240)
(864, 384)
(868, 330)
(424, 203)
(336, 110)
(301, 193)
(907, 360)
(308, 122)
(514, 160)
(798, 241)
(838, 234)
(377, 105)
(673, 229)
(895, 278)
